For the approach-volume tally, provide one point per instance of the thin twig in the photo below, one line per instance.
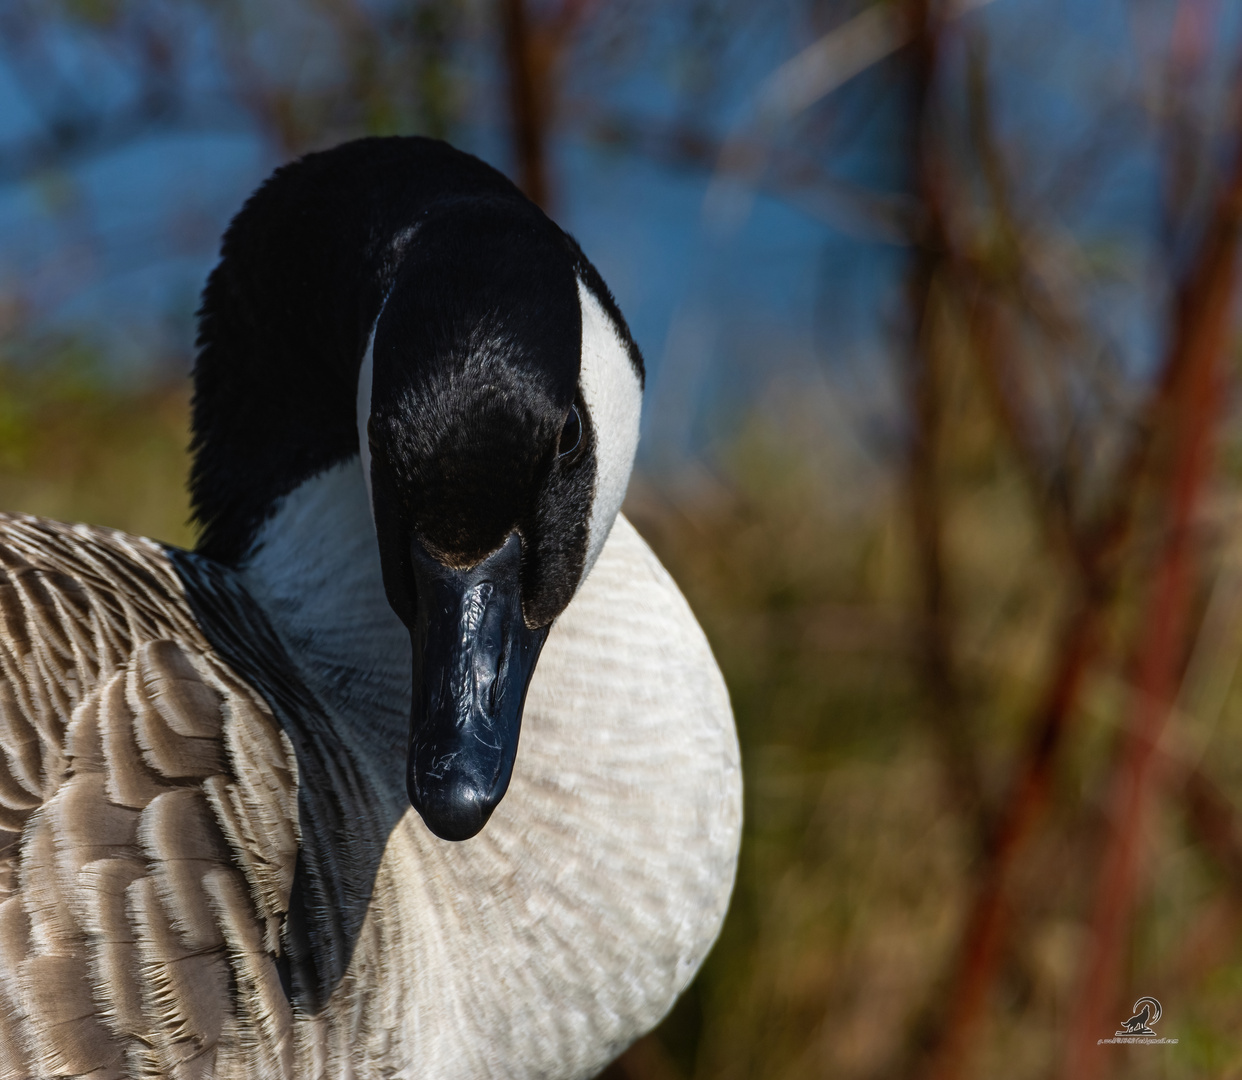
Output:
(924, 388)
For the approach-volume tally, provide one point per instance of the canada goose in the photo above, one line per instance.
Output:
(415, 414)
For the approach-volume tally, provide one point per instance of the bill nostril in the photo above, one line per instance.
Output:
(492, 664)
(493, 695)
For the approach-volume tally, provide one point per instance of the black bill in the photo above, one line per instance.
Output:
(473, 659)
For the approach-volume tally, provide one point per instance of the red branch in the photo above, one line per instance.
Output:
(988, 923)
(527, 107)
(1182, 405)
(533, 49)
(1201, 338)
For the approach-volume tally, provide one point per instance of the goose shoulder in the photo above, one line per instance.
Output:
(148, 823)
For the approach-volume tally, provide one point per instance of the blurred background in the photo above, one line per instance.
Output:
(940, 440)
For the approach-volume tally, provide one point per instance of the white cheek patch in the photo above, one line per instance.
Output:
(614, 400)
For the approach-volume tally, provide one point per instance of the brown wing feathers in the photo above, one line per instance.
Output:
(147, 823)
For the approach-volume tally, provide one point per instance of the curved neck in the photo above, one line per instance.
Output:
(286, 314)
(315, 572)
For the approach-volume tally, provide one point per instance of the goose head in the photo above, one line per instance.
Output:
(482, 450)
(397, 304)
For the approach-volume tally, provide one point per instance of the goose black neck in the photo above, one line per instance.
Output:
(286, 314)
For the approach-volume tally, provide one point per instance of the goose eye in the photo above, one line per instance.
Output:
(571, 433)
